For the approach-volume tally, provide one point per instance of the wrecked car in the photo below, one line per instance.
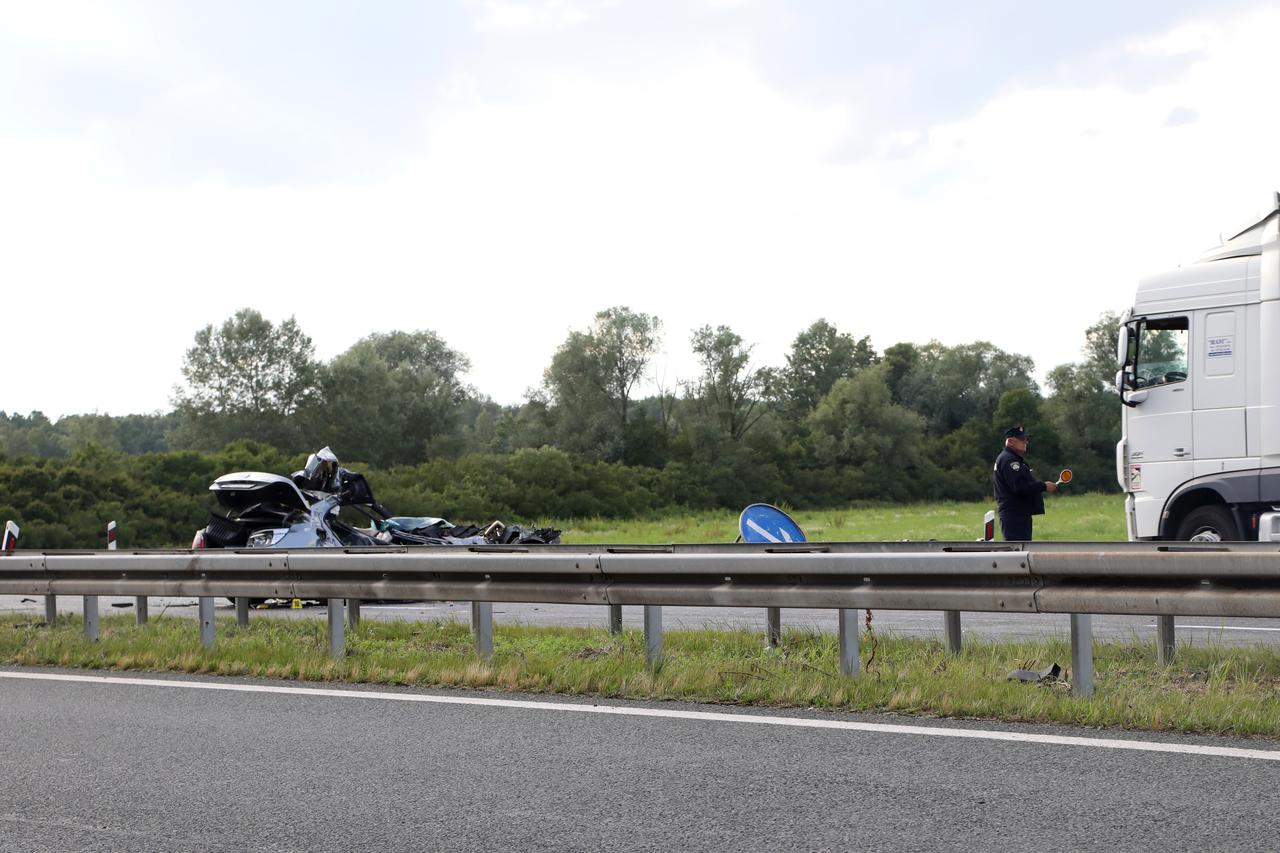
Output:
(262, 510)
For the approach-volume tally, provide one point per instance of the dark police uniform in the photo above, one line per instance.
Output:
(1019, 495)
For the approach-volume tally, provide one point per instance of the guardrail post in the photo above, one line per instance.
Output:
(482, 627)
(850, 657)
(951, 622)
(51, 609)
(353, 612)
(91, 618)
(206, 621)
(139, 602)
(1082, 654)
(652, 634)
(242, 611)
(615, 618)
(1165, 639)
(773, 633)
(337, 629)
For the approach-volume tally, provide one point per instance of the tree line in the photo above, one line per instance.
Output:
(837, 421)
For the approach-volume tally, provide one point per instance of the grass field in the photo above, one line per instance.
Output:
(1093, 517)
(1209, 689)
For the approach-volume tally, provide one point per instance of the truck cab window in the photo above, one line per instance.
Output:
(1162, 352)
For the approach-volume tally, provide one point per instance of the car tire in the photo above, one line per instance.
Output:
(1208, 524)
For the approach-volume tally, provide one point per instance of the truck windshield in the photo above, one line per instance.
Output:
(1162, 352)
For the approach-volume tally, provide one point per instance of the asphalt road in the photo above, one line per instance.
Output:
(114, 766)
(1006, 626)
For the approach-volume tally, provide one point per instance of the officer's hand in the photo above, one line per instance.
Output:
(1050, 487)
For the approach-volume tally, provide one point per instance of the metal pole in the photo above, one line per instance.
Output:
(1165, 639)
(849, 655)
(773, 634)
(337, 630)
(242, 611)
(482, 627)
(206, 621)
(141, 610)
(615, 618)
(353, 612)
(951, 622)
(51, 609)
(652, 634)
(1081, 654)
(91, 618)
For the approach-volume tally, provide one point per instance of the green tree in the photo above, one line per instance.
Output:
(951, 385)
(592, 380)
(622, 342)
(393, 398)
(900, 360)
(1101, 341)
(578, 401)
(246, 378)
(1086, 415)
(820, 356)
(728, 390)
(872, 445)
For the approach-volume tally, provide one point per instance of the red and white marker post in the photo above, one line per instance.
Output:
(140, 602)
(10, 540)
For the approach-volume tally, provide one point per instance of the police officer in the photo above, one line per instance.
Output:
(1019, 495)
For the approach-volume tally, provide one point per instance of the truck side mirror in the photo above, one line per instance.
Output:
(1129, 395)
(1122, 346)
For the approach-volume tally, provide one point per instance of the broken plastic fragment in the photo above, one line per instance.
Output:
(1049, 673)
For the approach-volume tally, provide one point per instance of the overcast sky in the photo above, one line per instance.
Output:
(498, 171)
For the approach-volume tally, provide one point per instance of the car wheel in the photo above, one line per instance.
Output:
(1208, 524)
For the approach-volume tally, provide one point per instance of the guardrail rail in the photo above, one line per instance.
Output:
(1078, 578)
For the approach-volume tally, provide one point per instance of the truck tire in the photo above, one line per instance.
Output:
(1208, 524)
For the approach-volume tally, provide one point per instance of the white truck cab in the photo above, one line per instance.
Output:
(1199, 357)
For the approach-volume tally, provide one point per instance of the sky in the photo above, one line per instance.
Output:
(498, 171)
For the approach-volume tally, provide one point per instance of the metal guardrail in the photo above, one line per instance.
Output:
(1079, 578)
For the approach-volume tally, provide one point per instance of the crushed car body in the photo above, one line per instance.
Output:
(262, 510)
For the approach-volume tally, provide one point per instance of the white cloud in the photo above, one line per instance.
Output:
(698, 192)
(517, 15)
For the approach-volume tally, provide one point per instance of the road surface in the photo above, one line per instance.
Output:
(109, 762)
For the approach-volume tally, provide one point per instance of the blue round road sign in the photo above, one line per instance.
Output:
(767, 523)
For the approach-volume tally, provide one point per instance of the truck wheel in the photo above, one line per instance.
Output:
(1208, 524)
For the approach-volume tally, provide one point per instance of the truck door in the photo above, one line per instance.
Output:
(1159, 423)
(1218, 425)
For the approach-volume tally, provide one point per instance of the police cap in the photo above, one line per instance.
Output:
(1015, 432)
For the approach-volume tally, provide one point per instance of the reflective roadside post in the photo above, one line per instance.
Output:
(8, 543)
(139, 602)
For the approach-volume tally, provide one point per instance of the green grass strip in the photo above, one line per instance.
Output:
(1223, 689)
(1082, 518)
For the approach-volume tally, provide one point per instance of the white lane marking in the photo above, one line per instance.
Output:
(704, 716)
(1227, 628)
